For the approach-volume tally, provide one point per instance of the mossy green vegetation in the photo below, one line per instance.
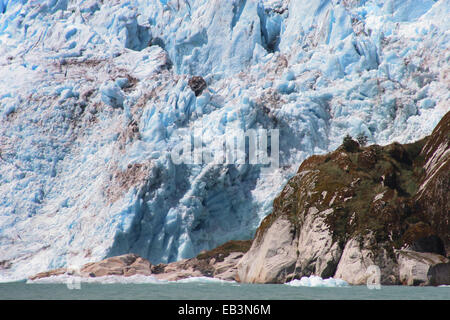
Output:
(370, 190)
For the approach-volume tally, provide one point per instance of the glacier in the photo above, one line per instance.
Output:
(93, 93)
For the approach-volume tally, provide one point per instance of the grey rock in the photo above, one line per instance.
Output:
(283, 254)
(272, 258)
(423, 268)
(359, 259)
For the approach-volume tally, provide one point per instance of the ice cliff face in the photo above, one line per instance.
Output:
(92, 92)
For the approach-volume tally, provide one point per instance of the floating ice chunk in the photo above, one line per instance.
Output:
(203, 280)
(316, 281)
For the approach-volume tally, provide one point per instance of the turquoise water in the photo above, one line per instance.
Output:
(225, 291)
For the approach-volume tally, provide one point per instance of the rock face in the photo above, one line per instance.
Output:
(274, 258)
(357, 260)
(125, 265)
(432, 202)
(347, 211)
(283, 251)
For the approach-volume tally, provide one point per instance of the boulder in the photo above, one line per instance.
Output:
(423, 268)
(197, 84)
(126, 265)
(439, 274)
(227, 269)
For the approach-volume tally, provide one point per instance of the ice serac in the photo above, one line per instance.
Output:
(358, 212)
(92, 94)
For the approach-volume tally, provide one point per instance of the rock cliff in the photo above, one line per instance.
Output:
(356, 207)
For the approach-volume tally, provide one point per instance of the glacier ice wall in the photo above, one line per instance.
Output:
(92, 93)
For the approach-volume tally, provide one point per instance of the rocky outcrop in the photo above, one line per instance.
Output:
(124, 265)
(218, 263)
(51, 273)
(350, 210)
(423, 268)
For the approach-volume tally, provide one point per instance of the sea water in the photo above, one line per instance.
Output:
(201, 290)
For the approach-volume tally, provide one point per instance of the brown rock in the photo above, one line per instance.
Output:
(197, 84)
(220, 263)
(50, 273)
(439, 274)
(367, 159)
(125, 265)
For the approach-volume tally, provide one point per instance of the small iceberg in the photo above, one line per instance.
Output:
(203, 280)
(316, 281)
